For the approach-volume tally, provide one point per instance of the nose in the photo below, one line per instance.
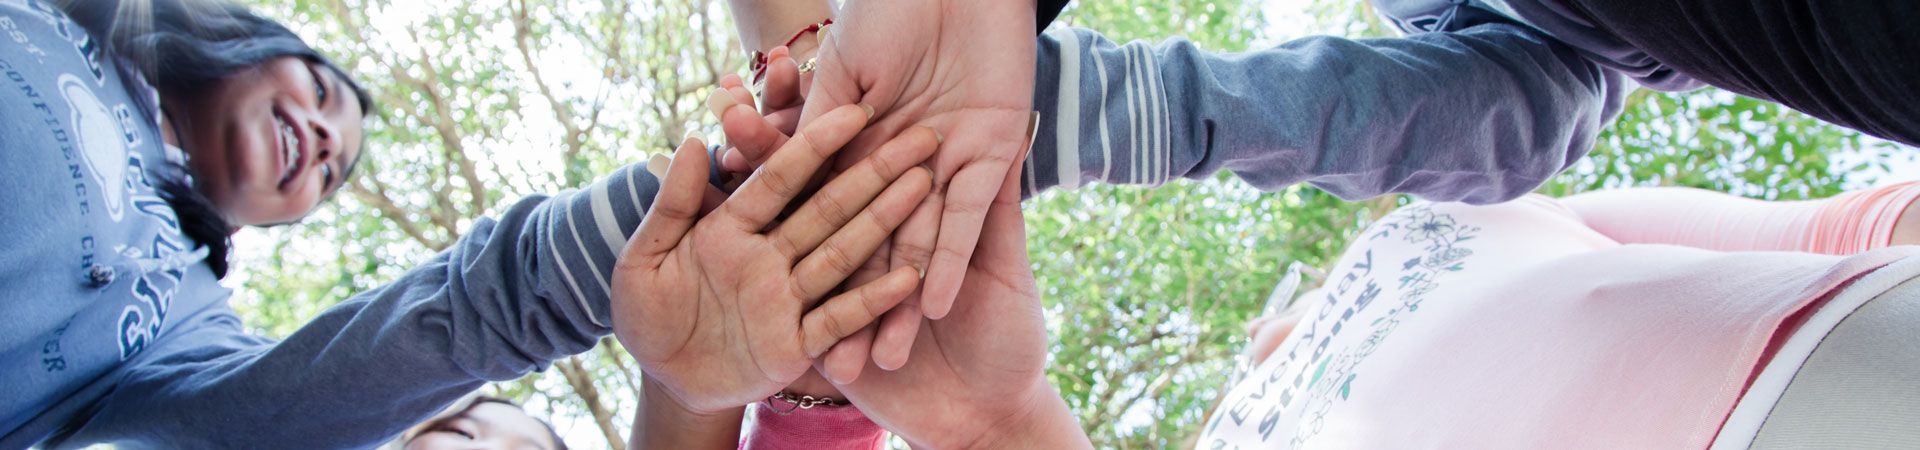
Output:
(323, 140)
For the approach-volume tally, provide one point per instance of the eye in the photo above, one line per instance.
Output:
(326, 176)
(455, 429)
(319, 85)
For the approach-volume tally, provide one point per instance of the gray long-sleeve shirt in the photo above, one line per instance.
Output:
(117, 332)
(1481, 115)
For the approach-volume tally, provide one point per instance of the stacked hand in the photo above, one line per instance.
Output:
(978, 373)
(726, 309)
(962, 67)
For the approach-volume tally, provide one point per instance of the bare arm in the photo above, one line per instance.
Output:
(663, 424)
(765, 24)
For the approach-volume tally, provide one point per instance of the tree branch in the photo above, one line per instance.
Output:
(582, 383)
(393, 213)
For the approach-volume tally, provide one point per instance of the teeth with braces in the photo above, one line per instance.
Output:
(288, 145)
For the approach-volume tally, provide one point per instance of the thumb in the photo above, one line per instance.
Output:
(676, 205)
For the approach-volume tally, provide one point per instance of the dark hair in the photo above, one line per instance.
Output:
(201, 42)
(437, 422)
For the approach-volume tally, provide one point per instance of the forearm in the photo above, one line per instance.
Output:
(507, 299)
(765, 24)
(662, 423)
(1482, 115)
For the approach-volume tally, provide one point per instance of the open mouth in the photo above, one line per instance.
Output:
(289, 148)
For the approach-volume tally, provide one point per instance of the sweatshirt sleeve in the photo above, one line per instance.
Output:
(1481, 115)
(508, 298)
(1846, 224)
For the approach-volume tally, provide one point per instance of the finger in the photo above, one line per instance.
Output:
(847, 313)
(676, 205)
(785, 120)
(737, 88)
(783, 82)
(829, 209)
(725, 99)
(897, 331)
(848, 358)
(770, 188)
(968, 195)
(750, 134)
(824, 268)
(844, 362)
(711, 200)
(835, 85)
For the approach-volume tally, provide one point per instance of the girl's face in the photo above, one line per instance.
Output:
(269, 142)
(489, 426)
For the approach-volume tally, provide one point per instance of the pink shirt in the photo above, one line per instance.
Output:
(1521, 326)
(817, 428)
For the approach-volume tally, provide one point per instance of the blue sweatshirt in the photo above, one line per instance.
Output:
(1483, 114)
(117, 331)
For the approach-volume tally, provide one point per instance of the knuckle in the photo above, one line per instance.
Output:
(912, 251)
(833, 209)
(948, 252)
(835, 325)
(808, 139)
(886, 168)
(838, 260)
(801, 291)
(969, 208)
(781, 184)
(784, 244)
(674, 210)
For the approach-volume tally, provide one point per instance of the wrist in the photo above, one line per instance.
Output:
(664, 422)
(764, 25)
(1041, 421)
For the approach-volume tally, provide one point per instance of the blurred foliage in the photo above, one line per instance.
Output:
(1147, 289)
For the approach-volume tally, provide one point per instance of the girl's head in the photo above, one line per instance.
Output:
(271, 127)
(269, 141)
(484, 423)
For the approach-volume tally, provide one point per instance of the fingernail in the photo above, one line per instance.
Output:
(657, 165)
(693, 135)
(868, 109)
(719, 102)
(937, 137)
(921, 270)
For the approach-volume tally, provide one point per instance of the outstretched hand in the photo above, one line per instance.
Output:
(726, 309)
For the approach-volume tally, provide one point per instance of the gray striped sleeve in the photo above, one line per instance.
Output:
(1481, 115)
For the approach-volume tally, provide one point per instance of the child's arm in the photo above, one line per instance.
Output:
(513, 294)
(1481, 115)
(1848, 223)
(662, 423)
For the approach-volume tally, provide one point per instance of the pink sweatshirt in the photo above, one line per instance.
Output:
(1530, 324)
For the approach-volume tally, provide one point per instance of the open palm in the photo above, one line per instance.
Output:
(964, 67)
(722, 311)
